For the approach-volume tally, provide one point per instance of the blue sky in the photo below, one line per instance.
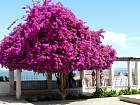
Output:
(119, 18)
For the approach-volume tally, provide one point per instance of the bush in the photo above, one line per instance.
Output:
(6, 78)
(99, 93)
(29, 99)
(1, 78)
(134, 91)
(138, 91)
(129, 91)
(112, 93)
(126, 91)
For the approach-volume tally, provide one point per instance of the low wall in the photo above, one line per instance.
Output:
(42, 85)
(4, 88)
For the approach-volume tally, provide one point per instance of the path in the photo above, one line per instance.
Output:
(97, 101)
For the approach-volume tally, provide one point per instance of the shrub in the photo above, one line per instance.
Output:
(6, 78)
(29, 99)
(126, 91)
(99, 93)
(134, 91)
(138, 91)
(112, 93)
(1, 78)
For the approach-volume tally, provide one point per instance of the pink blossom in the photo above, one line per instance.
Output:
(53, 39)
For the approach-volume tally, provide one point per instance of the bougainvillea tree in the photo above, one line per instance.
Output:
(53, 39)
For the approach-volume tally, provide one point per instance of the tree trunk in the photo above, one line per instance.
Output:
(49, 80)
(61, 82)
(62, 85)
(97, 79)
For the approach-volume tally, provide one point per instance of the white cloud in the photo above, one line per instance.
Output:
(115, 38)
(124, 45)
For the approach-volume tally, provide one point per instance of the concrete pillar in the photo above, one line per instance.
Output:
(18, 84)
(97, 78)
(84, 73)
(11, 81)
(83, 81)
(112, 76)
(137, 73)
(129, 66)
(49, 78)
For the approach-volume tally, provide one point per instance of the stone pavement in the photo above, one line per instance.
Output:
(95, 101)
(131, 98)
(9, 100)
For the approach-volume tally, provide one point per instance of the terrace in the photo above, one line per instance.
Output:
(84, 85)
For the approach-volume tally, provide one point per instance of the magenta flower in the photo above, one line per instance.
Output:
(53, 39)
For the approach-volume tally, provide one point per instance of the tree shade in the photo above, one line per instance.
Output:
(53, 39)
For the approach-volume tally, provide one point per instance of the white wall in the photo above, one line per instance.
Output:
(4, 88)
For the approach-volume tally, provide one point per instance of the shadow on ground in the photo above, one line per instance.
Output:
(94, 101)
(63, 102)
(11, 100)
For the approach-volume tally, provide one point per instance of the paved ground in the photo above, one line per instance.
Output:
(98, 101)
(5, 100)
(131, 98)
